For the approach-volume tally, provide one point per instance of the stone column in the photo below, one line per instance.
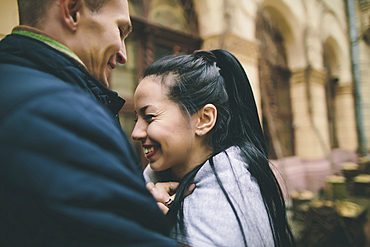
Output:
(311, 136)
(346, 125)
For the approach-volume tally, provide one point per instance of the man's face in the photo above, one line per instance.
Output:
(100, 38)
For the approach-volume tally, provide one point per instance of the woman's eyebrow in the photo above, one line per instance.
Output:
(150, 107)
(143, 109)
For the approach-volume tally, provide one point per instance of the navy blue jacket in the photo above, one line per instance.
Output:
(68, 174)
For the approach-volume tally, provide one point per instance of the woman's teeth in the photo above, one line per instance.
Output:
(148, 150)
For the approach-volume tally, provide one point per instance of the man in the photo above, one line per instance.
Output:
(68, 174)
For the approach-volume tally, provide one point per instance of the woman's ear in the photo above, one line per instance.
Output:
(70, 13)
(207, 116)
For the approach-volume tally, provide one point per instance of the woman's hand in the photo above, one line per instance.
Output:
(164, 193)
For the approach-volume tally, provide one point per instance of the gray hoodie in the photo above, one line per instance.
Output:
(208, 217)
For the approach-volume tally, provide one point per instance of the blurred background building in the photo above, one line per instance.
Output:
(310, 79)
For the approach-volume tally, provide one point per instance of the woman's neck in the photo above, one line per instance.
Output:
(195, 159)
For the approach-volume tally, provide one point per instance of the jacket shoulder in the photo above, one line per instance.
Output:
(67, 156)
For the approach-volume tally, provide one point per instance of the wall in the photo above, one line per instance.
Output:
(307, 26)
(8, 16)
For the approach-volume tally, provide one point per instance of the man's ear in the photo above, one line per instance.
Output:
(207, 116)
(70, 13)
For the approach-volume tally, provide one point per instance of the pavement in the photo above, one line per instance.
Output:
(298, 224)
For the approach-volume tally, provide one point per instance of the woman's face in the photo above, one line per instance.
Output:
(167, 135)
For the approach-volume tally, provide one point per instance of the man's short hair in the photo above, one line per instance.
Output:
(33, 12)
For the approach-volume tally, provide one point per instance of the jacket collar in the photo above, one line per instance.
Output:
(43, 37)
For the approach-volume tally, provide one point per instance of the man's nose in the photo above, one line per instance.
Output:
(121, 55)
(139, 132)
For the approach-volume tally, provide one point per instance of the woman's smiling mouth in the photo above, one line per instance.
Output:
(150, 151)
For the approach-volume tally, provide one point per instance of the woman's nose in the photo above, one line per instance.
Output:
(139, 132)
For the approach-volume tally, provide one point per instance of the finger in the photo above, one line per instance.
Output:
(162, 207)
(159, 196)
(169, 201)
(150, 186)
(167, 187)
(190, 189)
(173, 187)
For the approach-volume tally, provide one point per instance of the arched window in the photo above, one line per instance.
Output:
(275, 89)
(331, 83)
(160, 27)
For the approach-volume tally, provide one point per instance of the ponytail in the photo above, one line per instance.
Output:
(245, 131)
(242, 105)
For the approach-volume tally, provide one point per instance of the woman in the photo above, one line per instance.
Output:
(198, 123)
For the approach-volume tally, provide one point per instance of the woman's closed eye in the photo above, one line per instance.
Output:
(149, 117)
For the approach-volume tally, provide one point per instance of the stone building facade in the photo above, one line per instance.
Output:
(296, 54)
(362, 9)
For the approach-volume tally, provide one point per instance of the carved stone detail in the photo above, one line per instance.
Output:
(315, 76)
(298, 76)
(344, 89)
(233, 44)
(364, 4)
(318, 77)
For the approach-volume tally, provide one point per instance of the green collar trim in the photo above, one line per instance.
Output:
(51, 42)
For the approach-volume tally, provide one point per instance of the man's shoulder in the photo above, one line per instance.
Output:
(21, 85)
(18, 76)
(44, 108)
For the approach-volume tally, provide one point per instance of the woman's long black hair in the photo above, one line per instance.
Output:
(218, 78)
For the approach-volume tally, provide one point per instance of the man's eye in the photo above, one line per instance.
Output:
(121, 32)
